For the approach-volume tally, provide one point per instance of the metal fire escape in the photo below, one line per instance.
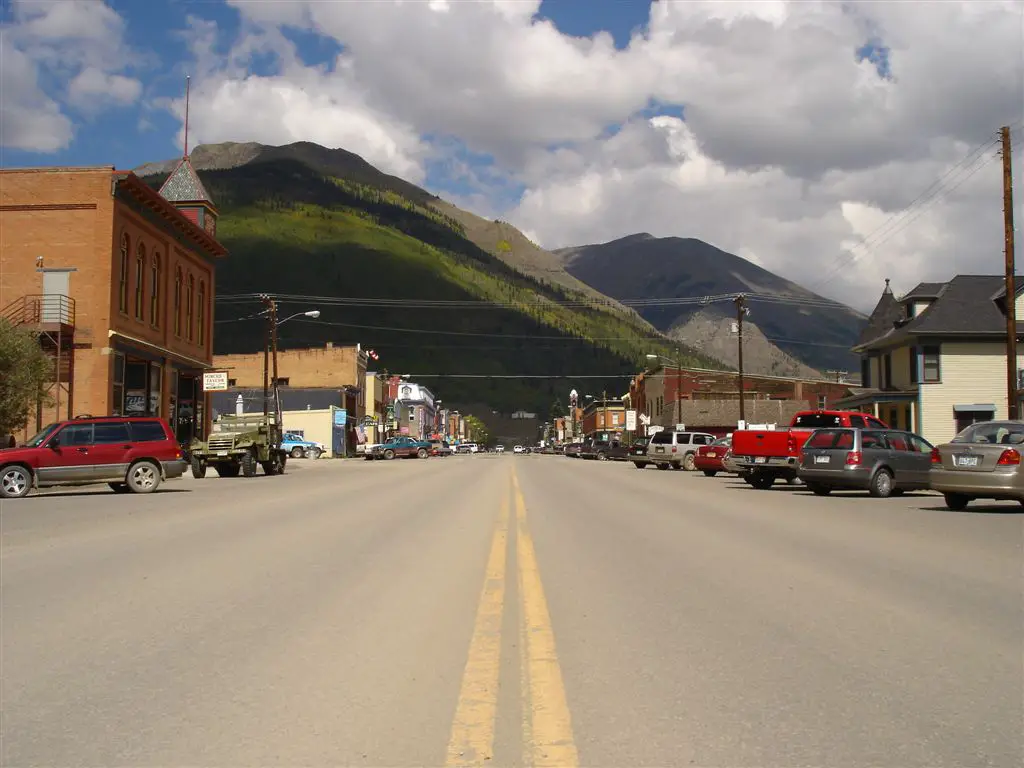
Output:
(52, 318)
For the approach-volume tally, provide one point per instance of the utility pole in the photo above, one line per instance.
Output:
(1011, 292)
(741, 311)
(270, 351)
(679, 389)
(266, 357)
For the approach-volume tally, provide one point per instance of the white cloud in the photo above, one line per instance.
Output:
(791, 153)
(70, 50)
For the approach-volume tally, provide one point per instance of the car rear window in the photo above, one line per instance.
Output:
(147, 431)
(817, 420)
(993, 432)
(828, 439)
(661, 438)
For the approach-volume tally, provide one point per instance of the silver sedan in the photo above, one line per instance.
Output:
(982, 462)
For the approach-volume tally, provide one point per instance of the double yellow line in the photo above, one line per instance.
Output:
(547, 726)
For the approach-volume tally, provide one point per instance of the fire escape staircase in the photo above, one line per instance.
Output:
(51, 317)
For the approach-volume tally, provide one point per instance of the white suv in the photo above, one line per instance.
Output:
(669, 448)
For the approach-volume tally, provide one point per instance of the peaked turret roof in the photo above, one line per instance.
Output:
(882, 319)
(184, 186)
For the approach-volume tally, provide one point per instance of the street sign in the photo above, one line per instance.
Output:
(631, 421)
(215, 381)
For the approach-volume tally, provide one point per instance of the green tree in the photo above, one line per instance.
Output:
(558, 410)
(478, 432)
(24, 368)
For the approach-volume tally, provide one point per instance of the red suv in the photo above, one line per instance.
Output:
(130, 454)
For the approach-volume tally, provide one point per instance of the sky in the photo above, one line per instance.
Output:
(834, 143)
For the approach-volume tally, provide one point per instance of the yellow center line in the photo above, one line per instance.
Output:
(472, 737)
(548, 732)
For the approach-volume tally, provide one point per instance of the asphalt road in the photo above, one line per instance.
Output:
(507, 610)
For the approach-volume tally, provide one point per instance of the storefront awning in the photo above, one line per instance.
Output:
(974, 408)
(157, 350)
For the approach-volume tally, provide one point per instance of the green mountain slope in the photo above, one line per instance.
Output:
(293, 229)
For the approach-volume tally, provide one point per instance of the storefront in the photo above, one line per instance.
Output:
(146, 383)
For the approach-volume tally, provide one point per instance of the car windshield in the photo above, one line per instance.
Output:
(817, 420)
(38, 439)
(993, 432)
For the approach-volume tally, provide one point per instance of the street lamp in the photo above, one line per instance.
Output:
(679, 380)
(313, 313)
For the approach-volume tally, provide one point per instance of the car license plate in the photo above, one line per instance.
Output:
(659, 450)
(712, 455)
(222, 453)
(760, 459)
(821, 459)
(967, 461)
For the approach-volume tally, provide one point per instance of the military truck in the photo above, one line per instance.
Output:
(239, 444)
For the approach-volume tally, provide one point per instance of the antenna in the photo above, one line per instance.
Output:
(188, 83)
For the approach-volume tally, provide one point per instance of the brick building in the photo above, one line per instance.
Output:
(603, 415)
(338, 368)
(710, 398)
(118, 280)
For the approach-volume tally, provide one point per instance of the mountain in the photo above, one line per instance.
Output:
(803, 327)
(378, 256)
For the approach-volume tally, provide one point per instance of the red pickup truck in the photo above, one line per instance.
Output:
(770, 454)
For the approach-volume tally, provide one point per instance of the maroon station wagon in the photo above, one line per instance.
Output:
(129, 454)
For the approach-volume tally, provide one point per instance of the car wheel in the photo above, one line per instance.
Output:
(881, 484)
(710, 472)
(315, 453)
(389, 454)
(638, 464)
(689, 462)
(296, 452)
(762, 482)
(819, 490)
(249, 464)
(119, 487)
(421, 453)
(956, 501)
(15, 482)
(602, 456)
(198, 468)
(143, 477)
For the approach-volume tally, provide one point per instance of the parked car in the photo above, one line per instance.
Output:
(982, 462)
(499, 449)
(774, 454)
(638, 453)
(708, 458)
(604, 450)
(402, 447)
(129, 454)
(573, 449)
(669, 448)
(883, 462)
(729, 464)
(300, 448)
(440, 448)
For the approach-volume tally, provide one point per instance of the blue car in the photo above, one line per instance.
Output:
(300, 448)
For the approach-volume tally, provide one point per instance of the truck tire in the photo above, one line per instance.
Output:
(315, 453)
(198, 468)
(143, 477)
(297, 452)
(761, 481)
(249, 464)
(228, 470)
(689, 462)
(269, 467)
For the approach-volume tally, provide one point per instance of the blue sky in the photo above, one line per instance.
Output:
(128, 136)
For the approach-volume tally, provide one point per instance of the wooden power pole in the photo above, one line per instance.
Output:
(741, 310)
(1011, 292)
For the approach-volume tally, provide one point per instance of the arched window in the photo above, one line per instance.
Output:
(177, 302)
(189, 301)
(201, 313)
(123, 286)
(154, 290)
(140, 281)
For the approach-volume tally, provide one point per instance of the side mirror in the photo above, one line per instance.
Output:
(54, 442)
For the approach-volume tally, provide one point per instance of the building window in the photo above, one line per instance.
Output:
(123, 286)
(140, 281)
(177, 302)
(931, 367)
(822, 402)
(154, 291)
(201, 313)
(190, 289)
(282, 381)
(117, 387)
(887, 371)
(865, 371)
(914, 362)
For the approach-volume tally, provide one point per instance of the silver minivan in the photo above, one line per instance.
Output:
(669, 448)
(884, 462)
